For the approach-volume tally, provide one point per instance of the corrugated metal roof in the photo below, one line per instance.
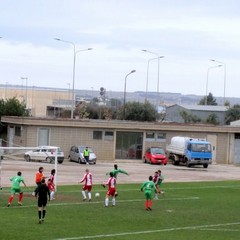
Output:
(204, 107)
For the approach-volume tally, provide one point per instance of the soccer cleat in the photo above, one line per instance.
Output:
(8, 204)
(146, 209)
(19, 203)
(149, 209)
(43, 220)
(84, 199)
(89, 199)
(40, 221)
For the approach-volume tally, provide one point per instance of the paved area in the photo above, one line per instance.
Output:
(71, 172)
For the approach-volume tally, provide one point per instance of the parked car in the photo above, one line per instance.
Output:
(155, 155)
(135, 151)
(45, 153)
(76, 155)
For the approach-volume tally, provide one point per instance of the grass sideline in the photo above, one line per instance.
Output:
(199, 210)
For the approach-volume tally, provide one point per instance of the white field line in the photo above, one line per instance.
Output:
(97, 202)
(219, 229)
(151, 231)
(177, 188)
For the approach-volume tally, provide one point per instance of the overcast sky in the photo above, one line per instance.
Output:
(188, 33)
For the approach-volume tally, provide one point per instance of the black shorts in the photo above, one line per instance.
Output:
(42, 202)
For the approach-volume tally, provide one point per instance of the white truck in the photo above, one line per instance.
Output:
(190, 151)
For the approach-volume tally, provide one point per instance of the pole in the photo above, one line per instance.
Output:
(224, 81)
(158, 57)
(207, 81)
(124, 98)
(74, 65)
(147, 76)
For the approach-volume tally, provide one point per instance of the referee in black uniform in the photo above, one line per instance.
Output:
(43, 194)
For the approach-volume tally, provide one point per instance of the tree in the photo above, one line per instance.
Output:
(136, 111)
(232, 114)
(13, 107)
(210, 100)
(81, 110)
(189, 118)
(212, 119)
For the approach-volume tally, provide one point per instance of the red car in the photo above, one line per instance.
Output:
(155, 155)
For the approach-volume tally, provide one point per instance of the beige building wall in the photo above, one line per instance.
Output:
(36, 100)
(65, 133)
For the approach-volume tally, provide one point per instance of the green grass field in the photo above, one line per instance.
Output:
(204, 210)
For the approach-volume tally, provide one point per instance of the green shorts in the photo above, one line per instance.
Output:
(15, 190)
(148, 194)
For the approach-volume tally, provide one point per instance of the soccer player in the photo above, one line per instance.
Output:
(148, 187)
(51, 184)
(16, 188)
(38, 178)
(157, 179)
(116, 171)
(111, 192)
(43, 194)
(87, 178)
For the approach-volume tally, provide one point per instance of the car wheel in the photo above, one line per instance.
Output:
(188, 164)
(27, 158)
(205, 165)
(49, 160)
(69, 158)
(144, 160)
(79, 161)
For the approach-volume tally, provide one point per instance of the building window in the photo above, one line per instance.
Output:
(108, 135)
(18, 131)
(161, 137)
(97, 135)
(150, 136)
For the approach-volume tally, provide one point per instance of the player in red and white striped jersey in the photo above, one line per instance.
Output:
(87, 178)
(111, 183)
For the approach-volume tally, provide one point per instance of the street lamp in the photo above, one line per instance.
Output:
(26, 97)
(147, 75)
(158, 57)
(225, 76)
(124, 99)
(207, 81)
(74, 65)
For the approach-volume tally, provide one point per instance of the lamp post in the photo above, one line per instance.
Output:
(225, 76)
(147, 75)
(74, 66)
(124, 98)
(207, 81)
(158, 57)
(26, 97)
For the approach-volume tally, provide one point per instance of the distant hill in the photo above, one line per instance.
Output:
(165, 98)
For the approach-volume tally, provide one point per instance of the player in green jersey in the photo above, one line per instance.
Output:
(148, 187)
(116, 171)
(16, 180)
